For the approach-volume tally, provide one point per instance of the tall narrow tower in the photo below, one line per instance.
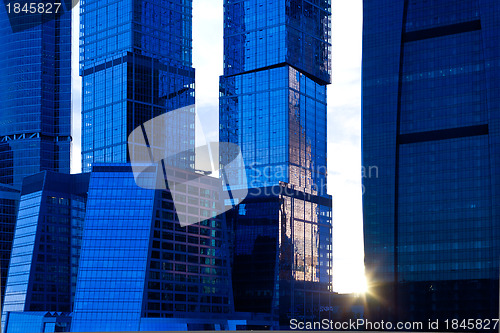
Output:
(273, 105)
(431, 124)
(35, 105)
(157, 274)
(35, 90)
(135, 61)
(46, 247)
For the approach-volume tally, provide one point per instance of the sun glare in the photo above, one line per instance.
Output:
(352, 285)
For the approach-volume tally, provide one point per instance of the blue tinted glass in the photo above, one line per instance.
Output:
(35, 90)
(46, 245)
(135, 60)
(139, 263)
(273, 105)
(430, 128)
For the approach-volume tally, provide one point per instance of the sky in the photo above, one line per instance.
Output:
(344, 121)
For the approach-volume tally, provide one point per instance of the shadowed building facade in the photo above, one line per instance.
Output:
(273, 105)
(140, 268)
(431, 125)
(46, 247)
(35, 90)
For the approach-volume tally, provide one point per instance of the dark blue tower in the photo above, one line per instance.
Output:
(156, 273)
(35, 105)
(273, 105)
(431, 124)
(35, 90)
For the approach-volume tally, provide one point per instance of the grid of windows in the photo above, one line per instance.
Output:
(45, 251)
(35, 90)
(273, 105)
(430, 126)
(280, 125)
(188, 271)
(450, 239)
(444, 83)
(37, 322)
(134, 67)
(284, 234)
(9, 202)
(138, 262)
(114, 253)
(440, 13)
(22, 253)
(259, 33)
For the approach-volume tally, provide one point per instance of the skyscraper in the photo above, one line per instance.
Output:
(273, 105)
(431, 126)
(140, 270)
(135, 61)
(46, 246)
(9, 202)
(35, 90)
(35, 108)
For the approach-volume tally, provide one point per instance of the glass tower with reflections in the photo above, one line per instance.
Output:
(35, 94)
(273, 105)
(135, 63)
(9, 201)
(431, 125)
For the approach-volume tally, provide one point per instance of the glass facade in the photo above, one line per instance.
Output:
(9, 202)
(114, 253)
(140, 269)
(46, 246)
(273, 105)
(282, 253)
(259, 34)
(35, 90)
(135, 62)
(431, 128)
(139, 266)
(37, 322)
(278, 117)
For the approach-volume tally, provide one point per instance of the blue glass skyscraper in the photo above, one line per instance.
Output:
(135, 61)
(35, 90)
(431, 125)
(273, 105)
(35, 106)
